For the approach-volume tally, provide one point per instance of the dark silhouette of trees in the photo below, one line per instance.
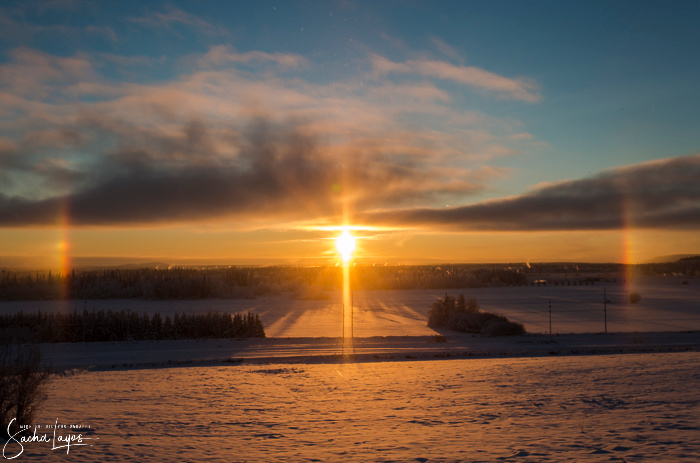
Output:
(242, 282)
(464, 315)
(309, 282)
(92, 326)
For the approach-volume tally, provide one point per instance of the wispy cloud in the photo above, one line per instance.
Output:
(173, 16)
(234, 134)
(662, 194)
(223, 55)
(447, 50)
(37, 74)
(518, 88)
(14, 29)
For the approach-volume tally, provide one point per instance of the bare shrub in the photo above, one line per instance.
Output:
(23, 381)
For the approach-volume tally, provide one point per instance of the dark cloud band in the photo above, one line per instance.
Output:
(277, 172)
(662, 194)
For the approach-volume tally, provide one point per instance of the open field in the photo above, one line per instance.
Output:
(159, 354)
(633, 408)
(303, 395)
(666, 305)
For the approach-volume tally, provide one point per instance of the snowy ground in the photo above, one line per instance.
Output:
(303, 395)
(666, 305)
(158, 354)
(630, 408)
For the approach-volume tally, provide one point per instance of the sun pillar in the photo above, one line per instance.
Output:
(347, 306)
(345, 243)
(64, 250)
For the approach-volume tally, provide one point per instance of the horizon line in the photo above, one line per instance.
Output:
(28, 263)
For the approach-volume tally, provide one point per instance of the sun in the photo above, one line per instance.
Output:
(345, 243)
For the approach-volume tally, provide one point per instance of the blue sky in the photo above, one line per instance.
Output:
(167, 117)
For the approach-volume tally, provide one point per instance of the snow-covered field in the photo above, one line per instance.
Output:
(157, 354)
(294, 397)
(666, 305)
(634, 408)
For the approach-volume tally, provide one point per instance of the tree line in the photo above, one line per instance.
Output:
(251, 282)
(94, 326)
(240, 282)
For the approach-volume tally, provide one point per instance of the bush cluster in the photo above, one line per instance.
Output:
(92, 326)
(464, 315)
(23, 380)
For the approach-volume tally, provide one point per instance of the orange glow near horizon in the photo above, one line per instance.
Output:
(64, 243)
(64, 246)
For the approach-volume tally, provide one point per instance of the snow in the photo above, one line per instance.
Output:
(156, 354)
(666, 305)
(595, 408)
(396, 394)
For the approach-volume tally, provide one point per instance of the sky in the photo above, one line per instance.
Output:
(220, 132)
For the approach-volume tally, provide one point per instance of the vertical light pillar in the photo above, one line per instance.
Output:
(345, 243)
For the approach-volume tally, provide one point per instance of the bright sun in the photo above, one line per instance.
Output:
(345, 243)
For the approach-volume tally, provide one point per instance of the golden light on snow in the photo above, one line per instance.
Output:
(345, 244)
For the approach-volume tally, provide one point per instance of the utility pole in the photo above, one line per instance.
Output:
(550, 319)
(352, 319)
(605, 308)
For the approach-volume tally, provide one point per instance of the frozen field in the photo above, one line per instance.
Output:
(666, 305)
(634, 408)
(187, 352)
(293, 397)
